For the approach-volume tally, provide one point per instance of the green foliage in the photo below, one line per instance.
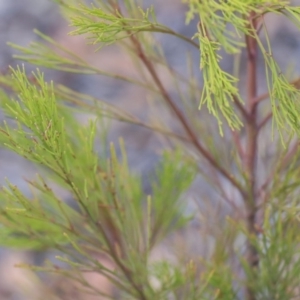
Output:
(110, 27)
(253, 252)
(110, 217)
(217, 84)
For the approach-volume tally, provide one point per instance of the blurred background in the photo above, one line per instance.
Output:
(18, 18)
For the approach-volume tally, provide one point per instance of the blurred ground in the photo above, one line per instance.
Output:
(19, 17)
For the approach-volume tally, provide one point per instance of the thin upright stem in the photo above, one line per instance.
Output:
(251, 146)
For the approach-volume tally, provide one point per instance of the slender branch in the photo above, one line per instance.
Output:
(251, 146)
(174, 33)
(127, 272)
(194, 140)
(264, 121)
(112, 112)
(181, 117)
(251, 126)
(241, 108)
(261, 98)
(158, 27)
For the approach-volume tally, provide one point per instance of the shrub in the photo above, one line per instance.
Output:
(250, 246)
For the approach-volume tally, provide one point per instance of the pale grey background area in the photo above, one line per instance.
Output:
(17, 20)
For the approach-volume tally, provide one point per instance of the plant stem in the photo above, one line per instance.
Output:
(181, 118)
(251, 148)
(265, 121)
(240, 107)
(177, 112)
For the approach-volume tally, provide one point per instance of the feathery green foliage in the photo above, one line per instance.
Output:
(247, 215)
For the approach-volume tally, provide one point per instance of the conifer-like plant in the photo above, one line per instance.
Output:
(240, 147)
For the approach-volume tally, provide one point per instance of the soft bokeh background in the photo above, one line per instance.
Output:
(17, 20)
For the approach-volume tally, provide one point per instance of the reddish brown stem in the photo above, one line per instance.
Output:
(194, 139)
(180, 116)
(241, 108)
(261, 98)
(251, 146)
